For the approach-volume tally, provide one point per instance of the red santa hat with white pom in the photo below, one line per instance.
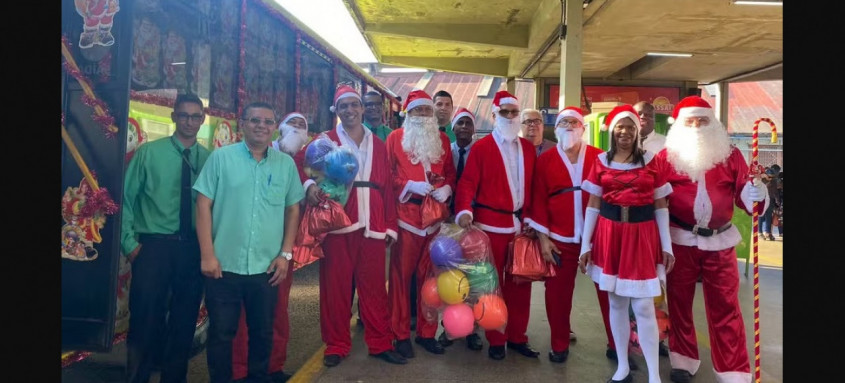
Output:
(692, 106)
(570, 111)
(416, 98)
(503, 97)
(462, 112)
(343, 91)
(618, 113)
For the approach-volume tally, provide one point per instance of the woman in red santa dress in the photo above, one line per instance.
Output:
(625, 244)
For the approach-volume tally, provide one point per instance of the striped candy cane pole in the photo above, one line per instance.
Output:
(754, 171)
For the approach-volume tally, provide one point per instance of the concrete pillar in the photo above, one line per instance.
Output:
(571, 47)
(722, 109)
(511, 85)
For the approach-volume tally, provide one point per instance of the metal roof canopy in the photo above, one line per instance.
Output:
(518, 38)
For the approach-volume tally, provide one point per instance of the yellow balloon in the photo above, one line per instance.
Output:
(452, 286)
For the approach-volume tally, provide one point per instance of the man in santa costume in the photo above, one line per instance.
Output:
(359, 249)
(708, 176)
(494, 188)
(293, 134)
(557, 214)
(415, 151)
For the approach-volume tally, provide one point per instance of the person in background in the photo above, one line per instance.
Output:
(374, 115)
(649, 139)
(443, 111)
(293, 134)
(532, 130)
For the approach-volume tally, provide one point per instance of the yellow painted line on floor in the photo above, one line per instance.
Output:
(313, 367)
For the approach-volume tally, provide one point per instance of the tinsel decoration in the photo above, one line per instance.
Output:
(101, 112)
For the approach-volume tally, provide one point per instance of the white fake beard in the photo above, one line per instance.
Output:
(421, 140)
(509, 128)
(693, 151)
(568, 138)
(292, 139)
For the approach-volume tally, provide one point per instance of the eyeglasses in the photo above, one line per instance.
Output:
(256, 121)
(690, 121)
(506, 112)
(533, 121)
(569, 123)
(182, 117)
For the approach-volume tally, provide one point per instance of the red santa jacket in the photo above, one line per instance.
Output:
(557, 210)
(404, 171)
(486, 181)
(372, 209)
(721, 189)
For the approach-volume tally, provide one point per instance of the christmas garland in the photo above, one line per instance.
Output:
(101, 111)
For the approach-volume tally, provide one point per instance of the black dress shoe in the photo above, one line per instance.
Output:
(444, 340)
(331, 360)
(662, 349)
(391, 356)
(680, 376)
(404, 348)
(431, 345)
(279, 377)
(558, 357)
(611, 354)
(496, 352)
(627, 379)
(524, 349)
(474, 342)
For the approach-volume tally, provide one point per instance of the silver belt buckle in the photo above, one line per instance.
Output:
(623, 214)
(695, 229)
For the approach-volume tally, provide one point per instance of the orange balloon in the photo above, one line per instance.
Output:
(429, 293)
(490, 312)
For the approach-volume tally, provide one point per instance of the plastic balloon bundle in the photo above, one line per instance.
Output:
(332, 167)
(462, 283)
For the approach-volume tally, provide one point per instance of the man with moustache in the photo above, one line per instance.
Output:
(532, 130)
(493, 190)
(293, 134)
(708, 176)
(415, 152)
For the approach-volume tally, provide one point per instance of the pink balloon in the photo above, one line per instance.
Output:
(458, 320)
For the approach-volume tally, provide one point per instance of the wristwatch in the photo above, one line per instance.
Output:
(286, 255)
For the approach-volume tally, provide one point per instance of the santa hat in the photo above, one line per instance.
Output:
(570, 111)
(462, 112)
(618, 113)
(503, 97)
(344, 91)
(416, 98)
(691, 106)
(290, 116)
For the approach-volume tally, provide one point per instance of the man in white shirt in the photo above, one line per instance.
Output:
(650, 140)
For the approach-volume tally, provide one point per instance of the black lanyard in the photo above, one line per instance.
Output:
(187, 161)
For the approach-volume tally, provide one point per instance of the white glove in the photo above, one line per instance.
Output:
(662, 218)
(442, 193)
(756, 193)
(590, 218)
(420, 187)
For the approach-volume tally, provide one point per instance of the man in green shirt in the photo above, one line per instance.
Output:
(247, 218)
(374, 115)
(443, 109)
(157, 235)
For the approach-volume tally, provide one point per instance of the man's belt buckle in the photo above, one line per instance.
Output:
(695, 229)
(623, 213)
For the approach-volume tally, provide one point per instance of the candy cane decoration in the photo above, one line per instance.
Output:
(755, 170)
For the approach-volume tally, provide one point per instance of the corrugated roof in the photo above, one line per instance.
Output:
(750, 101)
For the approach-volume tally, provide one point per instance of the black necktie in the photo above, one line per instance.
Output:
(461, 152)
(185, 203)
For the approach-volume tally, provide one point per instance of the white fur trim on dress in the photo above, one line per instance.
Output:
(663, 191)
(733, 377)
(632, 288)
(591, 188)
(684, 362)
(647, 157)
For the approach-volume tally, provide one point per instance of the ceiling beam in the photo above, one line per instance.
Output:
(484, 66)
(766, 73)
(514, 36)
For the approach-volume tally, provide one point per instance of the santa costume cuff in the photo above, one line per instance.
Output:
(591, 216)
(662, 218)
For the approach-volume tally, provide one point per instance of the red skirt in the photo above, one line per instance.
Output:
(627, 259)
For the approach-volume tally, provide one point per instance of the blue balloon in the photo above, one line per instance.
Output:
(341, 166)
(445, 252)
(316, 152)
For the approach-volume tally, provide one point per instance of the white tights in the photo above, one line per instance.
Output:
(620, 326)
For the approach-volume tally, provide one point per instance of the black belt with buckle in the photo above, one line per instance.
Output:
(517, 213)
(698, 230)
(632, 214)
(364, 184)
(564, 190)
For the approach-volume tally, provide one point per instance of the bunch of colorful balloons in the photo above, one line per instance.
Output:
(462, 282)
(331, 166)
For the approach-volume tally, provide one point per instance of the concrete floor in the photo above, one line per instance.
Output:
(586, 362)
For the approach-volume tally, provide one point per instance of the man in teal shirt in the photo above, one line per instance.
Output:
(157, 235)
(443, 109)
(247, 219)
(374, 115)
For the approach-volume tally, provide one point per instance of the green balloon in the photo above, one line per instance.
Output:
(482, 277)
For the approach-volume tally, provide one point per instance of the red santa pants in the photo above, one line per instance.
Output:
(720, 277)
(281, 334)
(559, 291)
(517, 296)
(347, 255)
(409, 256)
